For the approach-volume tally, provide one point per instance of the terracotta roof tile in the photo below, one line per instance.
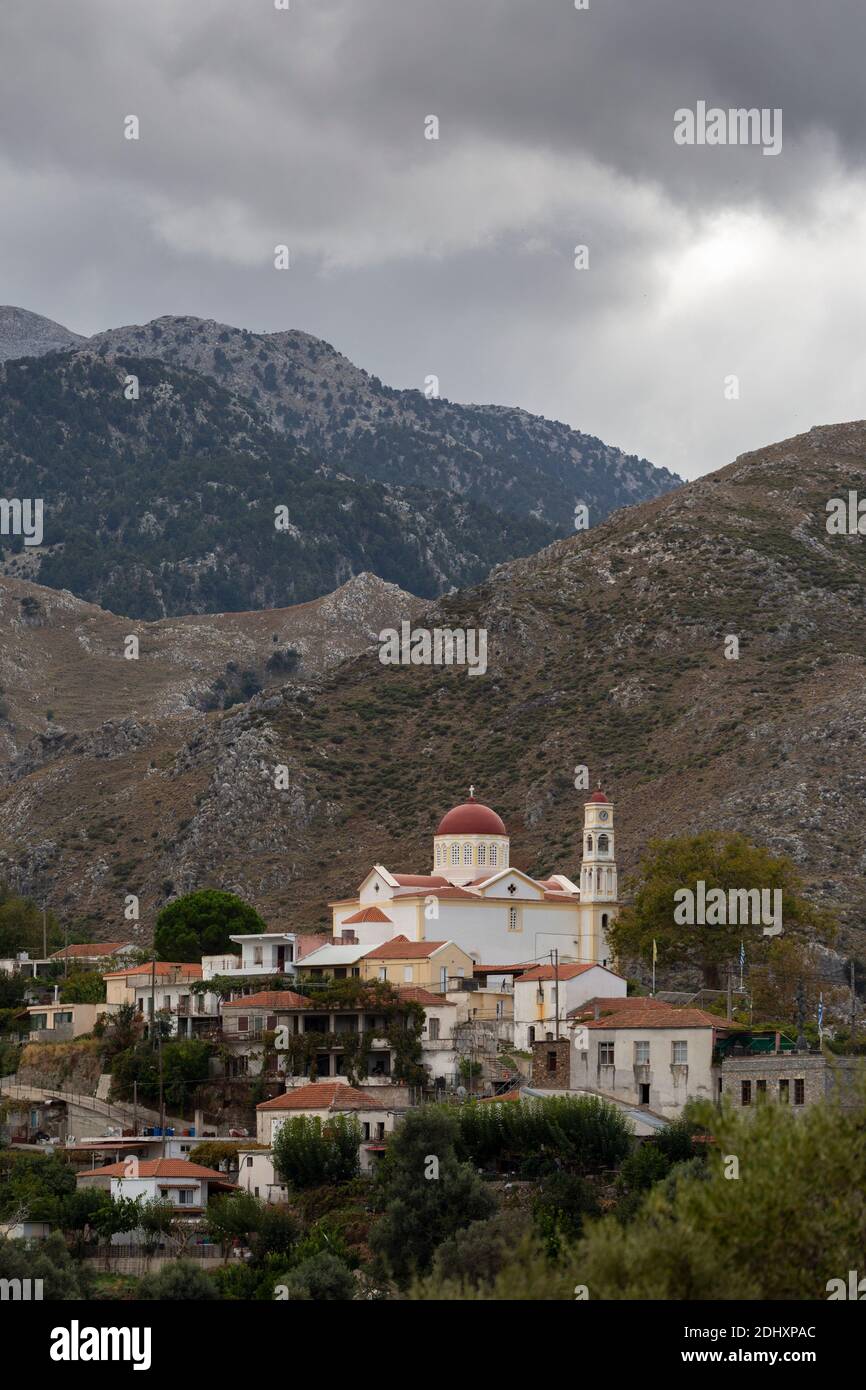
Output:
(274, 999)
(367, 914)
(158, 1168)
(547, 972)
(322, 1095)
(401, 948)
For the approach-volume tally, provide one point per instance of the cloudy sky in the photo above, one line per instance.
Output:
(456, 256)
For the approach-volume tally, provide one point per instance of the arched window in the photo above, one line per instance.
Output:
(482, 854)
(604, 921)
(438, 854)
(493, 856)
(589, 844)
(455, 854)
(467, 854)
(603, 844)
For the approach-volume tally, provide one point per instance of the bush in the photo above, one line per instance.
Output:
(62, 1279)
(308, 1151)
(322, 1277)
(180, 1282)
(477, 1254)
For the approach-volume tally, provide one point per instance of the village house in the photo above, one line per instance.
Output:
(430, 964)
(94, 953)
(62, 1022)
(764, 1067)
(261, 954)
(324, 1099)
(187, 1186)
(535, 997)
(245, 1022)
(163, 988)
(643, 1052)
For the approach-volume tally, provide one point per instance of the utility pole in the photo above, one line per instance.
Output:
(135, 1107)
(853, 1001)
(66, 948)
(554, 956)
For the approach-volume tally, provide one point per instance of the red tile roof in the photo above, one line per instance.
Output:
(607, 1004)
(418, 995)
(665, 1017)
(274, 999)
(157, 1168)
(547, 972)
(420, 880)
(322, 1095)
(401, 948)
(90, 949)
(505, 1095)
(367, 914)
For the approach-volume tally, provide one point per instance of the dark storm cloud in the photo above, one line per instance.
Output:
(455, 257)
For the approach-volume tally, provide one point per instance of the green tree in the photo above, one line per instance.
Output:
(62, 1278)
(276, 1233)
(308, 1151)
(476, 1254)
(721, 861)
(84, 987)
(201, 924)
(321, 1278)
(233, 1217)
(426, 1192)
(792, 1220)
(560, 1208)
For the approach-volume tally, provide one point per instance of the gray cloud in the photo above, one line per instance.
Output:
(455, 257)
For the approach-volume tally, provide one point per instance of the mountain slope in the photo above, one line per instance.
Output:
(501, 457)
(165, 504)
(606, 649)
(23, 334)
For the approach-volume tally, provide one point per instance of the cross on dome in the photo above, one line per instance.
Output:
(471, 791)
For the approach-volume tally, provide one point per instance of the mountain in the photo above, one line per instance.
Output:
(166, 504)
(606, 649)
(498, 456)
(23, 334)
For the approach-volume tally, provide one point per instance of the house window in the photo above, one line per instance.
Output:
(250, 1161)
(745, 1092)
(323, 1064)
(532, 1035)
(493, 856)
(366, 1129)
(407, 974)
(433, 1029)
(679, 1053)
(551, 1061)
(184, 1197)
(784, 1092)
(455, 854)
(467, 854)
(383, 972)
(605, 1054)
(799, 1091)
(641, 1054)
(482, 854)
(271, 1022)
(258, 958)
(644, 1096)
(761, 1088)
(243, 1024)
(514, 919)
(443, 978)
(380, 1129)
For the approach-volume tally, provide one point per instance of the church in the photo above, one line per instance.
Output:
(475, 898)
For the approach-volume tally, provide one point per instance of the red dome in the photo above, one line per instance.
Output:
(471, 818)
(598, 796)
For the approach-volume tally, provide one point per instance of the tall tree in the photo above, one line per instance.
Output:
(202, 923)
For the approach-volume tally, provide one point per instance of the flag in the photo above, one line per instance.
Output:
(821, 1014)
(655, 951)
(742, 957)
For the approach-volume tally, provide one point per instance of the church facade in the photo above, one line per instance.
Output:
(473, 896)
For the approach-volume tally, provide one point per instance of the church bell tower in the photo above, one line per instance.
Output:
(598, 884)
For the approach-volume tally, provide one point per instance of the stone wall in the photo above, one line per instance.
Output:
(821, 1077)
(551, 1065)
